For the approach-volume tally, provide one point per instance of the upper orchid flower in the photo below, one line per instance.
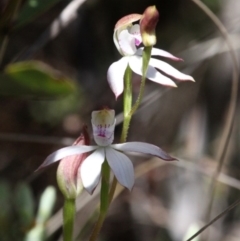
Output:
(103, 123)
(127, 37)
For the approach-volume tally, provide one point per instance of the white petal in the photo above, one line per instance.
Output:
(66, 151)
(121, 166)
(160, 52)
(159, 78)
(115, 40)
(115, 75)
(169, 70)
(127, 42)
(90, 169)
(143, 148)
(135, 64)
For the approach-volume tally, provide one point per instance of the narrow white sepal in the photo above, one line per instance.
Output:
(159, 52)
(169, 70)
(157, 77)
(121, 166)
(135, 64)
(90, 169)
(142, 147)
(66, 151)
(115, 75)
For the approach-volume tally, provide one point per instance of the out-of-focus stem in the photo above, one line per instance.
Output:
(68, 219)
(146, 57)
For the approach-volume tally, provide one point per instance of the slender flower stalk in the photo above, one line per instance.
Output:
(68, 219)
(104, 201)
(127, 103)
(128, 110)
(145, 62)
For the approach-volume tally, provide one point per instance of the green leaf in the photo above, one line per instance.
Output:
(32, 9)
(34, 79)
(24, 204)
(46, 204)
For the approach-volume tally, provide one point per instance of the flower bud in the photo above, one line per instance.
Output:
(68, 174)
(148, 24)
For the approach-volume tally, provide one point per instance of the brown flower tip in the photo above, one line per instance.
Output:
(148, 24)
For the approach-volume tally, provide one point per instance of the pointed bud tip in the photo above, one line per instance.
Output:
(148, 24)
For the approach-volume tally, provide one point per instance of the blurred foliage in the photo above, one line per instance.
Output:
(17, 218)
(6, 210)
(8, 13)
(53, 111)
(24, 205)
(214, 5)
(35, 79)
(46, 204)
(33, 9)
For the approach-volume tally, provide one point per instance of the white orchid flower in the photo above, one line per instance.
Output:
(127, 37)
(103, 123)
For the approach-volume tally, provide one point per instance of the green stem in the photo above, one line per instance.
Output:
(127, 106)
(127, 103)
(68, 219)
(146, 57)
(128, 110)
(97, 227)
(104, 201)
(112, 189)
(104, 187)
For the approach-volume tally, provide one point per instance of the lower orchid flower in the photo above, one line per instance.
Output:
(103, 123)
